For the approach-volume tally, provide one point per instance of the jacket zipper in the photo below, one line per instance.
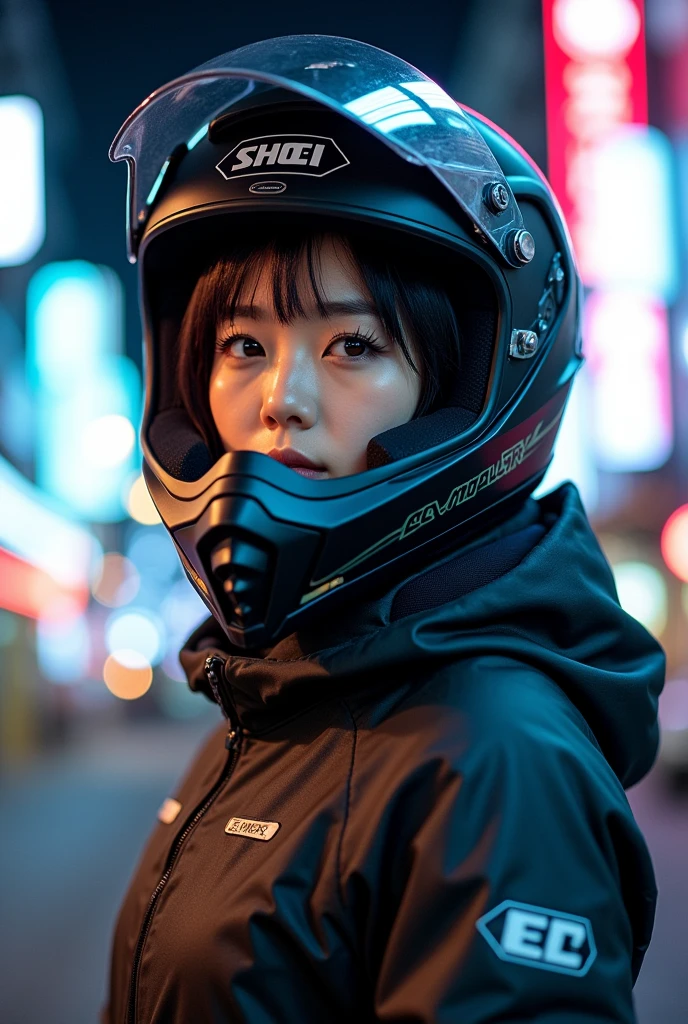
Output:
(213, 670)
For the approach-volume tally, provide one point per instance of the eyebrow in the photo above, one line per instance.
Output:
(354, 307)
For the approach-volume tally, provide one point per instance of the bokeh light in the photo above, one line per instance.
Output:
(22, 180)
(642, 593)
(55, 605)
(127, 674)
(596, 28)
(37, 531)
(108, 441)
(28, 590)
(63, 649)
(136, 630)
(631, 406)
(84, 389)
(674, 543)
(118, 581)
(631, 162)
(140, 504)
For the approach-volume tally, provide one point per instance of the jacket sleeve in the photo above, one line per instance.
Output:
(518, 884)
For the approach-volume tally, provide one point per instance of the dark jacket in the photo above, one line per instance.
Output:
(419, 812)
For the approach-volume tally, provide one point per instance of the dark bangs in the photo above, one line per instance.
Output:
(408, 286)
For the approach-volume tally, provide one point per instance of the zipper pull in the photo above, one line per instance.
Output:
(213, 667)
(233, 737)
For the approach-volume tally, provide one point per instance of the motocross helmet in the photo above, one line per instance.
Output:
(343, 133)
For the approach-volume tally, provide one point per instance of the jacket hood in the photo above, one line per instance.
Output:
(537, 589)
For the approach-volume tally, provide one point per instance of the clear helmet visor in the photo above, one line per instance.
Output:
(373, 88)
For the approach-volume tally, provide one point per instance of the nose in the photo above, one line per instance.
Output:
(289, 394)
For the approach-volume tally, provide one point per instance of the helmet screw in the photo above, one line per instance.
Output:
(496, 197)
(521, 245)
(523, 345)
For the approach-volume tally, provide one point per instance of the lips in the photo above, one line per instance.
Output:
(299, 462)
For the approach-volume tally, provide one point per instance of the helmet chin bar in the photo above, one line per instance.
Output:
(239, 565)
(262, 573)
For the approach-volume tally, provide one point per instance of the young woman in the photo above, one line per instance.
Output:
(361, 318)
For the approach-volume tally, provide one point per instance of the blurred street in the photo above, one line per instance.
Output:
(73, 825)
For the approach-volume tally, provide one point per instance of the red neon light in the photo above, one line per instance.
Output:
(590, 89)
(27, 590)
(674, 543)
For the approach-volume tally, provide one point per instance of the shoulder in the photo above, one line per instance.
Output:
(491, 749)
(490, 701)
(487, 717)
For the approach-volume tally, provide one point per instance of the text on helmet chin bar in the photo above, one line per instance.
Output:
(507, 462)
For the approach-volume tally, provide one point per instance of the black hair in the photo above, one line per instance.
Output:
(409, 288)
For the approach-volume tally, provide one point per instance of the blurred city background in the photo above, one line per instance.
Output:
(96, 722)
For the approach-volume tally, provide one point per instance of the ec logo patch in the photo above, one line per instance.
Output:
(312, 155)
(535, 937)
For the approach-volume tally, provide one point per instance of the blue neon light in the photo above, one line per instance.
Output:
(78, 377)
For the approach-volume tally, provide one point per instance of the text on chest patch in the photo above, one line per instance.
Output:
(251, 829)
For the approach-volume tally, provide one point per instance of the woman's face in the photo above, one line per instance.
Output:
(320, 387)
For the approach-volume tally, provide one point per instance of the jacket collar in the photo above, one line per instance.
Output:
(554, 608)
(276, 683)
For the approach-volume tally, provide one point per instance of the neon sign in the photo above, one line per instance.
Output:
(596, 82)
(613, 174)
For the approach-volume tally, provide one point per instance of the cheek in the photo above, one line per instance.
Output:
(371, 404)
(390, 395)
(228, 406)
(217, 395)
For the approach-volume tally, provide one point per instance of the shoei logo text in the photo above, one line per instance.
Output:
(312, 155)
(251, 829)
(536, 937)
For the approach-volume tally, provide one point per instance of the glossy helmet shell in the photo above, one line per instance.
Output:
(267, 549)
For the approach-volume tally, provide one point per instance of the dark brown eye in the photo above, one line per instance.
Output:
(252, 348)
(355, 347)
(241, 347)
